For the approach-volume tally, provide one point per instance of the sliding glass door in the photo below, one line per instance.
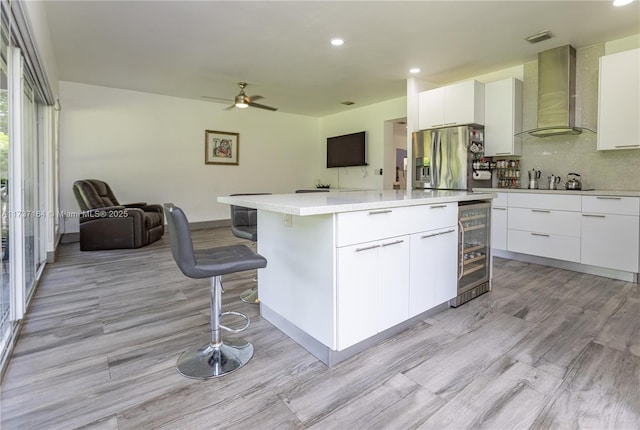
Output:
(5, 295)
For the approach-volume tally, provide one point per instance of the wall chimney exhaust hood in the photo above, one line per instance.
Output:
(556, 93)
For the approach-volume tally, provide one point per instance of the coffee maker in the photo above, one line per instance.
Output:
(534, 176)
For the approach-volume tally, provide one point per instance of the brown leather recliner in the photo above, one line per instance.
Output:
(107, 224)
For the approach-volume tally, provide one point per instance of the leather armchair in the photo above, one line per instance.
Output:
(107, 224)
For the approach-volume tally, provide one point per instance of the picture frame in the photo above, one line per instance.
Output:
(221, 147)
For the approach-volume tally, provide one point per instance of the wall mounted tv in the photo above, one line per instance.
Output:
(347, 150)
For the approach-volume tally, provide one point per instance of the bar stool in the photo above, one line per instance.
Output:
(218, 357)
(244, 224)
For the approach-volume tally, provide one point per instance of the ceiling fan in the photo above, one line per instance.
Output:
(242, 100)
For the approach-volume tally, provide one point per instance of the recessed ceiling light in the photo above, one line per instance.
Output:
(337, 41)
(414, 70)
(621, 2)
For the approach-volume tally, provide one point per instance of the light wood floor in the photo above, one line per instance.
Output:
(547, 348)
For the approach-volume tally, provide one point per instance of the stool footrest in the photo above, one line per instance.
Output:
(239, 314)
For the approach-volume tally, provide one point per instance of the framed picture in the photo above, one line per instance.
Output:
(221, 147)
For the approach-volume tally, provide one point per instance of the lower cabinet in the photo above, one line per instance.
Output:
(611, 232)
(373, 288)
(433, 276)
(499, 221)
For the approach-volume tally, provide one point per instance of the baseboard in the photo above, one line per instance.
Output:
(568, 265)
(332, 357)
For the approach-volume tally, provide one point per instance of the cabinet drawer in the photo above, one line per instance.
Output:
(545, 245)
(431, 217)
(502, 199)
(611, 205)
(365, 226)
(544, 221)
(563, 202)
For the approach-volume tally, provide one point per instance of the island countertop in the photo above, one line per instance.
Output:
(305, 204)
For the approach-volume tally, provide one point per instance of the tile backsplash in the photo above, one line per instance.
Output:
(560, 155)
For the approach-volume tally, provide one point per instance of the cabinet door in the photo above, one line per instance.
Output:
(431, 109)
(393, 282)
(433, 275)
(464, 103)
(446, 265)
(610, 241)
(357, 285)
(499, 227)
(619, 104)
(502, 117)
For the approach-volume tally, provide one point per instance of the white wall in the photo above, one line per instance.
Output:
(151, 148)
(42, 39)
(371, 119)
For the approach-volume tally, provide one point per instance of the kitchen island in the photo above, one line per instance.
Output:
(346, 270)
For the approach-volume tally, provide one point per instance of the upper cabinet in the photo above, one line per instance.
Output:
(503, 117)
(457, 104)
(619, 104)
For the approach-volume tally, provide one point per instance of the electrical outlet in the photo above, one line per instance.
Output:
(288, 221)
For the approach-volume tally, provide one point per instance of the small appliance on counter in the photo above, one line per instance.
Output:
(450, 158)
(573, 183)
(534, 177)
(554, 182)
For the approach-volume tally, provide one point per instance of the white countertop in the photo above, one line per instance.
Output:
(304, 204)
(617, 193)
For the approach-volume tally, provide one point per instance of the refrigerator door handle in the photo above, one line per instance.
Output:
(436, 157)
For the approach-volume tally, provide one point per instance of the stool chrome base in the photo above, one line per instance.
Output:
(250, 296)
(210, 361)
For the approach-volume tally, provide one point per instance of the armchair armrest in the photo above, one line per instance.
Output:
(135, 205)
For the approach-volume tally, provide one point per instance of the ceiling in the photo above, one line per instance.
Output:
(281, 49)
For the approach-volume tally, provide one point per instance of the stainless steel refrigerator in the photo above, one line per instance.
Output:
(444, 158)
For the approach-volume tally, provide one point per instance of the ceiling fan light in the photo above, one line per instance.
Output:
(240, 102)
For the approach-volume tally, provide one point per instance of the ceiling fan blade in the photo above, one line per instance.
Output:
(256, 97)
(216, 98)
(230, 107)
(259, 106)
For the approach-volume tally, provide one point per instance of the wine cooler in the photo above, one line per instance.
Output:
(474, 251)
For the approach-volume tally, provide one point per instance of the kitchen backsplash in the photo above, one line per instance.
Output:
(560, 155)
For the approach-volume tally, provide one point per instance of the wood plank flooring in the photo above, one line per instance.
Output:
(547, 348)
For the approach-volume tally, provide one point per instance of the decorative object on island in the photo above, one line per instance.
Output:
(320, 185)
(221, 147)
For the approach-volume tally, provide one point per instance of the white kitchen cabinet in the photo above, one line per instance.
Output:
(456, 104)
(545, 225)
(619, 104)
(372, 288)
(611, 232)
(499, 221)
(502, 117)
(433, 275)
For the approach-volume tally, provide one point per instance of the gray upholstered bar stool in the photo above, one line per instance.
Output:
(244, 224)
(218, 357)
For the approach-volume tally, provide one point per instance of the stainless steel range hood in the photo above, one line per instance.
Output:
(556, 93)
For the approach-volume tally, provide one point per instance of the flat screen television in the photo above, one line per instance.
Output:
(347, 150)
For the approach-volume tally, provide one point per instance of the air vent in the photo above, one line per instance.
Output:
(539, 37)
